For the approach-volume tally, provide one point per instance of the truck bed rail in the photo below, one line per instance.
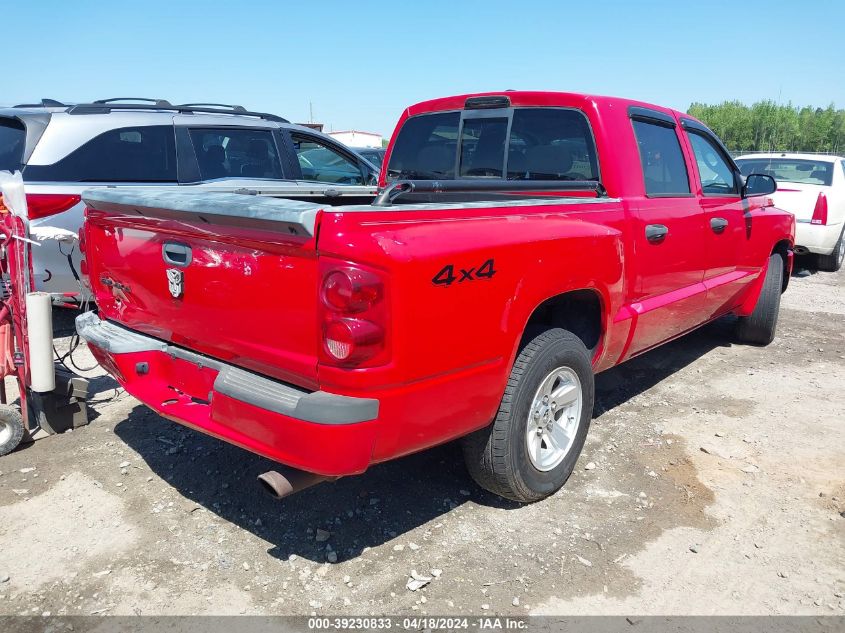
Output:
(404, 187)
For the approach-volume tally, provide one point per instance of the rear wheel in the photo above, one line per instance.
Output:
(530, 449)
(759, 327)
(833, 262)
(11, 429)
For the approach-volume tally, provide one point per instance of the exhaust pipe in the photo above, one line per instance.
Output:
(280, 485)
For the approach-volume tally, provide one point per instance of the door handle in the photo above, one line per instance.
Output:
(718, 224)
(656, 232)
(176, 254)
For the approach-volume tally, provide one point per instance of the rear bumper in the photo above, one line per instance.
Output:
(316, 431)
(816, 238)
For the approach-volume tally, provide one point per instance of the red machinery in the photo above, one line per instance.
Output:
(40, 413)
(14, 345)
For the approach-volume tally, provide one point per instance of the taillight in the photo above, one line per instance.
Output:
(351, 290)
(42, 205)
(352, 340)
(820, 212)
(353, 316)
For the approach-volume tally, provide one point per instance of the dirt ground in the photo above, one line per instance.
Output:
(718, 488)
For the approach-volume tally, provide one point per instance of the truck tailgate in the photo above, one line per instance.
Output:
(227, 275)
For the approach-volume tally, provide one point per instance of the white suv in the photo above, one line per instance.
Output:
(64, 149)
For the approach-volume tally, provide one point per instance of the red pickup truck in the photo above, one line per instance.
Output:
(521, 243)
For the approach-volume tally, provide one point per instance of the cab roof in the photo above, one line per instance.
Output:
(532, 98)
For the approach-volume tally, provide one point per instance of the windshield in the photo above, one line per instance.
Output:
(797, 170)
(12, 139)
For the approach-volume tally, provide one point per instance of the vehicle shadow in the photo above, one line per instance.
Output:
(368, 510)
(364, 511)
(804, 266)
(621, 383)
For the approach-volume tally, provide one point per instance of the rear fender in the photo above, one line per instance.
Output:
(585, 256)
(462, 290)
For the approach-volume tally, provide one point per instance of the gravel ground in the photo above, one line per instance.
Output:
(716, 486)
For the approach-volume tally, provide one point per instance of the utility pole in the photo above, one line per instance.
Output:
(310, 112)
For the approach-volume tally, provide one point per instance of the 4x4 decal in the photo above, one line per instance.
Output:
(446, 276)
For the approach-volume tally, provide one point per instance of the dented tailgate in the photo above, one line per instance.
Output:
(230, 276)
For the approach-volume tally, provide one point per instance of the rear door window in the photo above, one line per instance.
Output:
(551, 144)
(12, 140)
(130, 154)
(236, 153)
(664, 168)
(322, 163)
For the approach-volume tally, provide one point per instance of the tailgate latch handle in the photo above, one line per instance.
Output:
(176, 254)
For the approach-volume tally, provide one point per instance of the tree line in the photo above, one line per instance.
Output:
(769, 126)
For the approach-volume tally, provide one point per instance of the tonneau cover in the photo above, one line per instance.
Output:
(291, 216)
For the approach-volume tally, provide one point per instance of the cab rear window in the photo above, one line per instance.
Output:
(551, 144)
(426, 147)
(520, 144)
(12, 140)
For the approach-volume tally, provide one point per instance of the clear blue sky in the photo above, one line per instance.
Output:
(360, 63)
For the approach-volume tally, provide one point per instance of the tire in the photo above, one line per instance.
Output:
(512, 457)
(759, 327)
(11, 429)
(833, 262)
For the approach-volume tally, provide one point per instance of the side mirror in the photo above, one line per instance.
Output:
(758, 185)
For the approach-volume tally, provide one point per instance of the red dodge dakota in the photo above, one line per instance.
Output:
(521, 242)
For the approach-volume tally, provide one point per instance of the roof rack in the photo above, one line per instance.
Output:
(236, 108)
(104, 106)
(157, 102)
(45, 103)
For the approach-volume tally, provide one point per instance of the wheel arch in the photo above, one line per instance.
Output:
(581, 311)
(784, 249)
